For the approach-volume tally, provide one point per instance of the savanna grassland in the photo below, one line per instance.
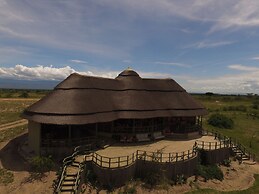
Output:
(243, 110)
(13, 102)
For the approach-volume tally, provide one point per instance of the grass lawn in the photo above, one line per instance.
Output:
(9, 134)
(246, 126)
(10, 110)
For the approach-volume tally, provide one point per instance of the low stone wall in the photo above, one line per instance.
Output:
(185, 136)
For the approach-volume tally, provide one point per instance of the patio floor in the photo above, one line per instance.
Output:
(166, 146)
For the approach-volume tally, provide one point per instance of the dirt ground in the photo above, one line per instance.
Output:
(24, 181)
(237, 177)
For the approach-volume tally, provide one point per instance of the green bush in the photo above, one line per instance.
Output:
(210, 172)
(6, 177)
(221, 121)
(226, 162)
(24, 95)
(41, 163)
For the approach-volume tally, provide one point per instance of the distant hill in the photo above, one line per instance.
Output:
(27, 84)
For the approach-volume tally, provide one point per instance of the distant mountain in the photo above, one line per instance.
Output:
(27, 84)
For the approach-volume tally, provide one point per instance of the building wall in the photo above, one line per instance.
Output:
(34, 136)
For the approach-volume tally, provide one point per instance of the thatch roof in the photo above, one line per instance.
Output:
(84, 99)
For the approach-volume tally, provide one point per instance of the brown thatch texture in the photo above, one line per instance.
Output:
(84, 99)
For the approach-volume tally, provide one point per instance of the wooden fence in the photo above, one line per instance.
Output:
(113, 162)
(211, 145)
(232, 142)
(125, 161)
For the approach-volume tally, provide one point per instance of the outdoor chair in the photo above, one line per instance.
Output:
(142, 137)
(158, 135)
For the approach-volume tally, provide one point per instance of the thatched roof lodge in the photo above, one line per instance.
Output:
(127, 108)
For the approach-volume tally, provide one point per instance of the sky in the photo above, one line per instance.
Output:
(205, 45)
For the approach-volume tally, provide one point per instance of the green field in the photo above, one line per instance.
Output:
(10, 109)
(244, 114)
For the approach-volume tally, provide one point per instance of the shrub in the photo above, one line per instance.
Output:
(41, 163)
(210, 172)
(221, 121)
(226, 162)
(6, 177)
(24, 95)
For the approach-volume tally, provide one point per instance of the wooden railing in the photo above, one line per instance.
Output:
(233, 143)
(125, 161)
(113, 162)
(166, 157)
(211, 145)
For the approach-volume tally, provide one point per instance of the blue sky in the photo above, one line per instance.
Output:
(205, 46)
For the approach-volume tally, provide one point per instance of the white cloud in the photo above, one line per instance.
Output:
(245, 82)
(209, 44)
(78, 61)
(172, 64)
(39, 72)
(255, 58)
(243, 67)
(53, 73)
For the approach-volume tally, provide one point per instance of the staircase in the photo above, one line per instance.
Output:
(240, 154)
(72, 168)
(71, 174)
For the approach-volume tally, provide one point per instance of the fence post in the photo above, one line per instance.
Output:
(127, 160)
(183, 156)
(209, 145)
(216, 145)
(133, 156)
(202, 144)
(109, 162)
(119, 159)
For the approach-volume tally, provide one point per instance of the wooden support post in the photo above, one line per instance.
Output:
(69, 135)
(133, 127)
(210, 146)
(109, 162)
(216, 145)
